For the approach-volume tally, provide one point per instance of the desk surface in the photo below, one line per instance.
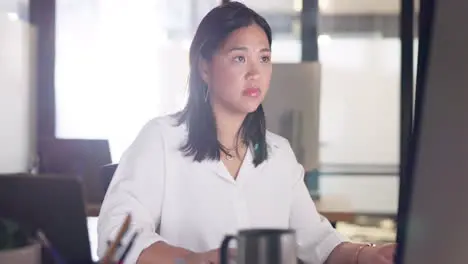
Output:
(334, 208)
(93, 237)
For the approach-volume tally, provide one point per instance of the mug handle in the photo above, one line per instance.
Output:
(224, 250)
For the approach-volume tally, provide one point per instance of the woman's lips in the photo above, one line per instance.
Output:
(251, 92)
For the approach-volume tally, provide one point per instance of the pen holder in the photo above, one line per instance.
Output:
(17, 244)
(29, 254)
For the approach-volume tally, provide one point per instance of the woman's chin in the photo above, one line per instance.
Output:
(244, 108)
(250, 108)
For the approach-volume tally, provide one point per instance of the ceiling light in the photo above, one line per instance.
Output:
(323, 4)
(13, 16)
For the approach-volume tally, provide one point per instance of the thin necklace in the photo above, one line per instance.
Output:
(228, 152)
(229, 156)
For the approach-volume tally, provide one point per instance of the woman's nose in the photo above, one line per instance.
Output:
(253, 72)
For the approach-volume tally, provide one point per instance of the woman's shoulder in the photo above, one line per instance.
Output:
(158, 135)
(166, 123)
(165, 128)
(276, 140)
(279, 146)
(282, 159)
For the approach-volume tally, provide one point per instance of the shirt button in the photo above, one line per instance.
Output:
(242, 212)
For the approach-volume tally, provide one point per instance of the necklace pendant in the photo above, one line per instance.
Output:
(229, 156)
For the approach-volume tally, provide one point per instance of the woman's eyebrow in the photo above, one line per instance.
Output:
(242, 48)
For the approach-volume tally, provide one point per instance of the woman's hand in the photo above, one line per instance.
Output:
(377, 255)
(209, 257)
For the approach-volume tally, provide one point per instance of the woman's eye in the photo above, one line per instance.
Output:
(266, 59)
(239, 59)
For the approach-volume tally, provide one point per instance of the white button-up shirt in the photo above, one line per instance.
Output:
(195, 204)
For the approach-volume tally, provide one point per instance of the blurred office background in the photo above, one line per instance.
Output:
(106, 67)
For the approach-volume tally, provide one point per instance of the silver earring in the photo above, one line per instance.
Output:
(206, 95)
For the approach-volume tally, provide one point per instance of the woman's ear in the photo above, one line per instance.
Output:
(204, 70)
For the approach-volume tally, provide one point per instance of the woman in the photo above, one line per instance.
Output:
(190, 179)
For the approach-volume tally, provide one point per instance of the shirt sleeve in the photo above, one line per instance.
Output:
(316, 238)
(137, 188)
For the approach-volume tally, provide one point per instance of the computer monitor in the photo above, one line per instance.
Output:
(53, 205)
(292, 108)
(433, 222)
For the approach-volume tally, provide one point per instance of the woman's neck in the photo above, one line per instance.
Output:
(228, 126)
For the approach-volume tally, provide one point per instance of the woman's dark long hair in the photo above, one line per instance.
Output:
(202, 142)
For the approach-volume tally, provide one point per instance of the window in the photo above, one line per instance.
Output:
(119, 63)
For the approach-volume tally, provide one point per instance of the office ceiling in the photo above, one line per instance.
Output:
(8, 5)
(326, 6)
(361, 6)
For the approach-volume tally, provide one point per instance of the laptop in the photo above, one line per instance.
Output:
(53, 205)
(433, 213)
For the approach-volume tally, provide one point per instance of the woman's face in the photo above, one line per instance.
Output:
(238, 75)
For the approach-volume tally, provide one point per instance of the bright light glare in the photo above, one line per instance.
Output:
(324, 39)
(13, 16)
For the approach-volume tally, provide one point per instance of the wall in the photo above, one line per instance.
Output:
(359, 125)
(17, 101)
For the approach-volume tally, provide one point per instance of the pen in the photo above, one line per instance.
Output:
(45, 242)
(107, 259)
(129, 246)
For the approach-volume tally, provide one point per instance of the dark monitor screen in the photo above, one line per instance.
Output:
(53, 205)
(435, 218)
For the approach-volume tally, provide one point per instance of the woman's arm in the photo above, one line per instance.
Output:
(315, 236)
(137, 187)
(163, 253)
(362, 254)
(319, 242)
(346, 253)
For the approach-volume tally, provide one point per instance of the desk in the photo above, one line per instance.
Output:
(335, 209)
(93, 209)
(332, 208)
